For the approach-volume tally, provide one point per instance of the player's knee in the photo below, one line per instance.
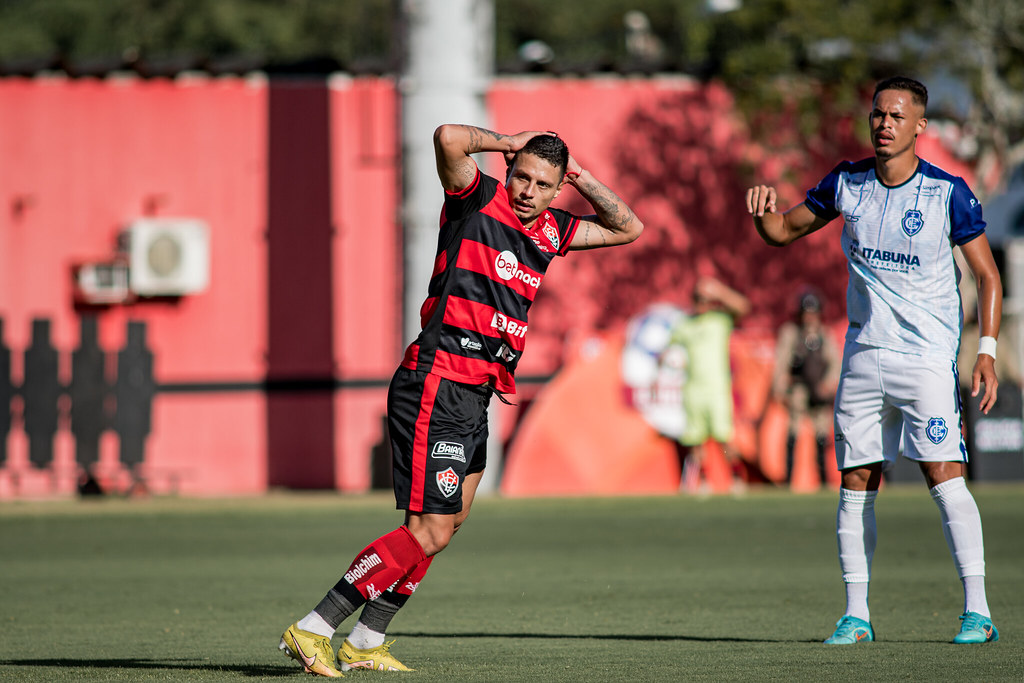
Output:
(433, 537)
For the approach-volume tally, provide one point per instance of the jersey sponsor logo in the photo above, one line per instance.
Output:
(885, 258)
(449, 450)
(931, 191)
(502, 323)
(507, 267)
(362, 567)
(469, 344)
(851, 218)
(936, 430)
(506, 354)
(913, 221)
(447, 482)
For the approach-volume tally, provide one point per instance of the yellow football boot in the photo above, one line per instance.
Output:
(377, 658)
(312, 651)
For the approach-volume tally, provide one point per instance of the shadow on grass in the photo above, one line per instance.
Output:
(252, 670)
(605, 636)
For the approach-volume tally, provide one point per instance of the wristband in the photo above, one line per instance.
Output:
(987, 345)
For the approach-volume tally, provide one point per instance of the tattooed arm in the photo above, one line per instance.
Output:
(614, 223)
(453, 144)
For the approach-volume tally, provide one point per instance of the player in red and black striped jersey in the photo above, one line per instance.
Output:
(495, 244)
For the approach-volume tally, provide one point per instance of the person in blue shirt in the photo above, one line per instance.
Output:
(898, 388)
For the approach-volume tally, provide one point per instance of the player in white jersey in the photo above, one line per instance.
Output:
(901, 219)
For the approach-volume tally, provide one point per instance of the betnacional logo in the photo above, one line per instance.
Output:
(447, 482)
(506, 265)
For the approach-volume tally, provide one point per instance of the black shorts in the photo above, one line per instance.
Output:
(438, 431)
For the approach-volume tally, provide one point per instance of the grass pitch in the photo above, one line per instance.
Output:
(624, 589)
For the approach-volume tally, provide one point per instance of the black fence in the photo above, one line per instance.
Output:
(107, 391)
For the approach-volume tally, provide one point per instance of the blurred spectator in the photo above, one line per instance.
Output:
(707, 394)
(807, 365)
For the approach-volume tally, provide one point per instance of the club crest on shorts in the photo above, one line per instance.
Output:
(936, 429)
(912, 222)
(448, 482)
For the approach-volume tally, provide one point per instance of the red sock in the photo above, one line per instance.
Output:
(407, 586)
(384, 562)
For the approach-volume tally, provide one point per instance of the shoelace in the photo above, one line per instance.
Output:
(972, 622)
(847, 626)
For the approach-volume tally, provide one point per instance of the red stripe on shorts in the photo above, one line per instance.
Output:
(420, 443)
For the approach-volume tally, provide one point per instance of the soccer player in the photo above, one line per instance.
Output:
(901, 219)
(495, 244)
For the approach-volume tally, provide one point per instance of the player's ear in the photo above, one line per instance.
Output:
(922, 123)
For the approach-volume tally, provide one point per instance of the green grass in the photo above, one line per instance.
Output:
(630, 589)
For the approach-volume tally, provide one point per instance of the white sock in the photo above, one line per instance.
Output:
(857, 535)
(961, 525)
(314, 623)
(365, 638)
(857, 600)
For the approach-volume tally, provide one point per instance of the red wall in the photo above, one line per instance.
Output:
(299, 182)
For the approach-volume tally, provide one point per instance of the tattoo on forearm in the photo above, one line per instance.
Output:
(610, 208)
(476, 138)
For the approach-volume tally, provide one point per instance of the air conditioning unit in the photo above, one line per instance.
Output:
(168, 256)
(101, 283)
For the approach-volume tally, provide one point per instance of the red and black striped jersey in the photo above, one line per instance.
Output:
(486, 275)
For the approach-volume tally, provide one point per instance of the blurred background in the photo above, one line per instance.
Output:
(218, 219)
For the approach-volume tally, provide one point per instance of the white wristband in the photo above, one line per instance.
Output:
(987, 346)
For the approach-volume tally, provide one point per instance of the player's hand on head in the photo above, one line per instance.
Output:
(572, 169)
(761, 200)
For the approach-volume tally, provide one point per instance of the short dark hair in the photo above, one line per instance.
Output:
(550, 148)
(915, 88)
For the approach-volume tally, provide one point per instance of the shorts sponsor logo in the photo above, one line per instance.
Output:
(912, 222)
(469, 344)
(449, 450)
(447, 482)
(507, 267)
(502, 323)
(362, 567)
(936, 430)
(372, 593)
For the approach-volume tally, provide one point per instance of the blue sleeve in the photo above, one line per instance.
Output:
(965, 221)
(821, 199)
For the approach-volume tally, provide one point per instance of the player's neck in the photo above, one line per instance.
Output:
(896, 170)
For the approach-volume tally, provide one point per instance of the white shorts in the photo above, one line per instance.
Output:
(886, 398)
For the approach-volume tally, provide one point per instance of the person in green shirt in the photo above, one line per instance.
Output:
(707, 394)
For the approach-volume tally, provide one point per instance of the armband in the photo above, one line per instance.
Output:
(987, 345)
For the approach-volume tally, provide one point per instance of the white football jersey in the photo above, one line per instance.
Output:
(902, 293)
